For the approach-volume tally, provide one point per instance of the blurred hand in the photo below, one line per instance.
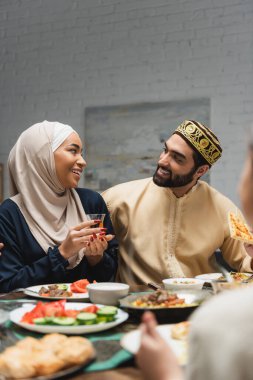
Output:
(1, 247)
(78, 237)
(155, 358)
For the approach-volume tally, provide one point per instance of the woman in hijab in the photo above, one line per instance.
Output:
(47, 237)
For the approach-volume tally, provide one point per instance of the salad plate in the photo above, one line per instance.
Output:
(17, 314)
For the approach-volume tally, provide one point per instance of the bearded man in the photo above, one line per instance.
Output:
(171, 225)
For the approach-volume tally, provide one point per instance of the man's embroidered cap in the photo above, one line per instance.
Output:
(201, 139)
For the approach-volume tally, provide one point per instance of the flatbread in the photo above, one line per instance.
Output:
(239, 230)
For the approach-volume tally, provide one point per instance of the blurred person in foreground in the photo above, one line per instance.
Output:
(43, 226)
(221, 331)
(171, 225)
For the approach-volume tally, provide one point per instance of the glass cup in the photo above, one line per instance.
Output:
(99, 217)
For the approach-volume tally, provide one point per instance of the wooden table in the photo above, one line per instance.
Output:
(127, 371)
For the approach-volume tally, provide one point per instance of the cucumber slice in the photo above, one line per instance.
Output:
(43, 320)
(107, 311)
(63, 321)
(62, 286)
(40, 321)
(87, 318)
(105, 319)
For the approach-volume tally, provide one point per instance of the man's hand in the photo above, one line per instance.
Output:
(1, 247)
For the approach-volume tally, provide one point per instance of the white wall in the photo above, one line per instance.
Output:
(59, 56)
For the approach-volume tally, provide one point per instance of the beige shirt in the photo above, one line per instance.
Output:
(163, 236)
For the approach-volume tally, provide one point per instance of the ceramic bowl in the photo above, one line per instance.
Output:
(182, 283)
(107, 293)
(209, 277)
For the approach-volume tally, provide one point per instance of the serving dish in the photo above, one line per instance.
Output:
(17, 314)
(56, 375)
(49, 357)
(193, 298)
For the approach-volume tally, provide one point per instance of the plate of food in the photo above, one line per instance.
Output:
(72, 291)
(237, 277)
(67, 317)
(168, 306)
(51, 357)
(175, 335)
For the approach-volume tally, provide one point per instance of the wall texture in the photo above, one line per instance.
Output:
(60, 56)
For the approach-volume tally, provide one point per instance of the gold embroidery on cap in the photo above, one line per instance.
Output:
(200, 139)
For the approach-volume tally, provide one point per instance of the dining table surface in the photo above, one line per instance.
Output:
(124, 371)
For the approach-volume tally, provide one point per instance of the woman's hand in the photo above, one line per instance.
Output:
(96, 246)
(155, 358)
(78, 238)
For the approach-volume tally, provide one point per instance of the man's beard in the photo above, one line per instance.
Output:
(176, 181)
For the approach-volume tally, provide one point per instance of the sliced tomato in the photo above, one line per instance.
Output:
(48, 309)
(37, 312)
(54, 309)
(74, 289)
(71, 313)
(91, 309)
(79, 286)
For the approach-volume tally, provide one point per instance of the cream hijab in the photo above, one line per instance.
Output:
(48, 208)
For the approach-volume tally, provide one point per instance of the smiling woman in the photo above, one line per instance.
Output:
(47, 237)
(69, 162)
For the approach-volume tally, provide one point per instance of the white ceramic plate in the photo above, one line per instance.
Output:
(209, 277)
(75, 296)
(17, 314)
(131, 342)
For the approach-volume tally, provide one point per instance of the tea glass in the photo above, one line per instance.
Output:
(99, 217)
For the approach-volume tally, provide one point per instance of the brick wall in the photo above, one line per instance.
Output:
(60, 56)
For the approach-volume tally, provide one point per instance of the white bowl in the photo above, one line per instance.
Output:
(183, 283)
(209, 277)
(107, 293)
